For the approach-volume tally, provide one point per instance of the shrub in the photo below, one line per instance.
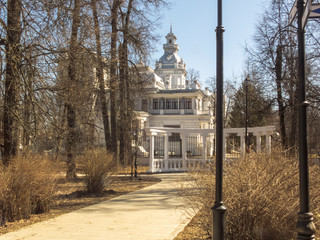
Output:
(261, 193)
(98, 167)
(28, 184)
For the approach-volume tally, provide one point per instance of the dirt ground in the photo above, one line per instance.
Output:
(71, 196)
(193, 231)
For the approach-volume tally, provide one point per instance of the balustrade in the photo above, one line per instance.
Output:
(175, 156)
(180, 112)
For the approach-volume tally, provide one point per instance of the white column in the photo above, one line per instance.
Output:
(268, 142)
(204, 147)
(184, 150)
(214, 145)
(166, 160)
(211, 145)
(242, 144)
(258, 136)
(151, 152)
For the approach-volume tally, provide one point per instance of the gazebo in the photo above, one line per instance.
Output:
(177, 149)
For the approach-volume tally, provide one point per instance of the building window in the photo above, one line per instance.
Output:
(174, 82)
(155, 103)
(188, 103)
(181, 103)
(175, 103)
(172, 126)
(161, 103)
(174, 137)
(168, 103)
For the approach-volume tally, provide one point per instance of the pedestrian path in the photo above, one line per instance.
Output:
(152, 213)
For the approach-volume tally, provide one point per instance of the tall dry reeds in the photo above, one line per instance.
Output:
(261, 193)
(98, 166)
(27, 186)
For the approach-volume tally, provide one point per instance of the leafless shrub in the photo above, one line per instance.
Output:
(98, 167)
(261, 193)
(27, 186)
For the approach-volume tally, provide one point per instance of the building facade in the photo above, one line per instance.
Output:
(172, 100)
(178, 117)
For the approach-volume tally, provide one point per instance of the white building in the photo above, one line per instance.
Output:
(172, 100)
(178, 118)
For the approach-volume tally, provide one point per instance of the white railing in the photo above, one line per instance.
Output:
(172, 111)
(155, 111)
(175, 165)
(205, 139)
(188, 111)
(180, 111)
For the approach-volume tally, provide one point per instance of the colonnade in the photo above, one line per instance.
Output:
(168, 163)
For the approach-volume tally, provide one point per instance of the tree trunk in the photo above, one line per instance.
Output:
(294, 128)
(122, 102)
(124, 90)
(28, 99)
(281, 107)
(113, 76)
(71, 114)
(103, 98)
(27, 102)
(13, 61)
(293, 95)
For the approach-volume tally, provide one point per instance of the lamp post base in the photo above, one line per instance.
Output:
(218, 221)
(305, 226)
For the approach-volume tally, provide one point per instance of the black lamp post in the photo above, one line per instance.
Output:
(218, 208)
(305, 225)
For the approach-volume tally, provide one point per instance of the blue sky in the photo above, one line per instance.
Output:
(194, 23)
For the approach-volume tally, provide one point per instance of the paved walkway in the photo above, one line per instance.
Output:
(153, 213)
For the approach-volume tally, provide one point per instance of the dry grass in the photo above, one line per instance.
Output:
(261, 195)
(71, 196)
(27, 186)
(98, 166)
(37, 182)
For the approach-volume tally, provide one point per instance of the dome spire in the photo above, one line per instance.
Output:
(170, 28)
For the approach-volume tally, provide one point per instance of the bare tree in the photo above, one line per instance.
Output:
(193, 75)
(132, 30)
(269, 57)
(275, 57)
(100, 76)
(113, 75)
(13, 61)
(50, 90)
(72, 81)
(126, 107)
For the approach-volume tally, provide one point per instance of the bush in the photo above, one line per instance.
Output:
(261, 193)
(27, 186)
(98, 167)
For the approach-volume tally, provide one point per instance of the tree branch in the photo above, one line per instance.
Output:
(3, 41)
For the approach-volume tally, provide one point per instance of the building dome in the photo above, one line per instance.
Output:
(170, 56)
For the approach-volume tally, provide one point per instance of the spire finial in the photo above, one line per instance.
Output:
(170, 28)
